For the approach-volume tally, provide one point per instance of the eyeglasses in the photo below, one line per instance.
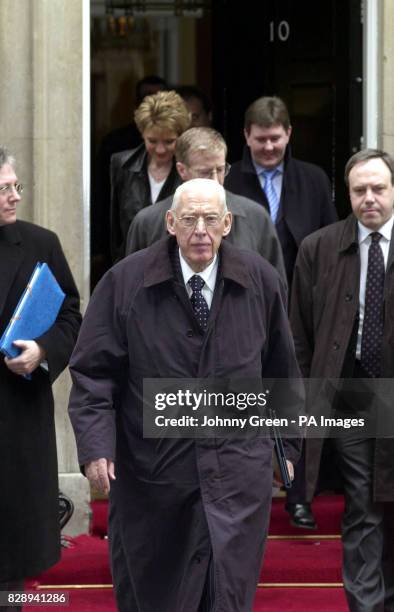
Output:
(5, 189)
(209, 173)
(189, 221)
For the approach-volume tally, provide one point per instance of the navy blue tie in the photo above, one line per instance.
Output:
(197, 299)
(372, 334)
(270, 193)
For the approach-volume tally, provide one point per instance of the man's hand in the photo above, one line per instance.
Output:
(278, 476)
(99, 474)
(290, 467)
(30, 358)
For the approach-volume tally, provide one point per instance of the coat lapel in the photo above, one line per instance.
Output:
(390, 260)
(11, 257)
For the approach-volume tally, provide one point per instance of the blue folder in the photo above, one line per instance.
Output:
(36, 311)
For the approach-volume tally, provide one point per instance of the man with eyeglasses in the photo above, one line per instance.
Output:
(187, 514)
(201, 153)
(29, 508)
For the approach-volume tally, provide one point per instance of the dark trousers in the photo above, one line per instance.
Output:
(367, 526)
(297, 492)
(14, 585)
(367, 531)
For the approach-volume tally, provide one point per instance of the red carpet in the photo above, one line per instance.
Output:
(290, 559)
(83, 600)
(86, 562)
(302, 561)
(300, 600)
(267, 600)
(326, 508)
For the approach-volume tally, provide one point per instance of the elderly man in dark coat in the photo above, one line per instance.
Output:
(201, 153)
(188, 515)
(29, 508)
(342, 317)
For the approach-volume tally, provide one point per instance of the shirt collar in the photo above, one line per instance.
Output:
(260, 169)
(385, 230)
(208, 274)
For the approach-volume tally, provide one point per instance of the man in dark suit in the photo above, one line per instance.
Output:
(201, 153)
(29, 508)
(298, 196)
(342, 318)
(300, 193)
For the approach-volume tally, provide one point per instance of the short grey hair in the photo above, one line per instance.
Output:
(199, 139)
(6, 157)
(203, 185)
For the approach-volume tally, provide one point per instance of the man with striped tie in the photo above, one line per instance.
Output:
(297, 194)
(298, 197)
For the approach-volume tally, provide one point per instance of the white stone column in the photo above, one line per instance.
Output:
(41, 102)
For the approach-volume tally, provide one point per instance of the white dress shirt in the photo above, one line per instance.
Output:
(277, 181)
(208, 275)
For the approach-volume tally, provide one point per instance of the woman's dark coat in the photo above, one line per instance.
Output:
(176, 499)
(324, 311)
(130, 192)
(29, 508)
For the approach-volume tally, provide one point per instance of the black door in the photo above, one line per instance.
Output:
(310, 54)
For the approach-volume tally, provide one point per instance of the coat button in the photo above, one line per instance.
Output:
(198, 559)
(348, 297)
(335, 346)
(189, 333)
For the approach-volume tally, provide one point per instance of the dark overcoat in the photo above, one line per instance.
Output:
(29, 508)
(324, 310)
(176, 500)
(305, 204)
(251, 228)
(130, 192)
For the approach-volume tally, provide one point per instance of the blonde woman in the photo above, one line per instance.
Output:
(144, 175)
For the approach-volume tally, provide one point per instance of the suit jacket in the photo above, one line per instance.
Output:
(305, 205)
(252, 229)
(130, 192)
(29, 508)
(140, 324)
(324, 310)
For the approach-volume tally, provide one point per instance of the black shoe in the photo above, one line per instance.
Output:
(301, 516)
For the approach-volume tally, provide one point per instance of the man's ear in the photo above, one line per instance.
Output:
(170, 222)
(182, 170)
(228, 219)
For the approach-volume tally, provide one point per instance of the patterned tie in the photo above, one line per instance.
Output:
(371, 341)
(270, 192)
(197, 299)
